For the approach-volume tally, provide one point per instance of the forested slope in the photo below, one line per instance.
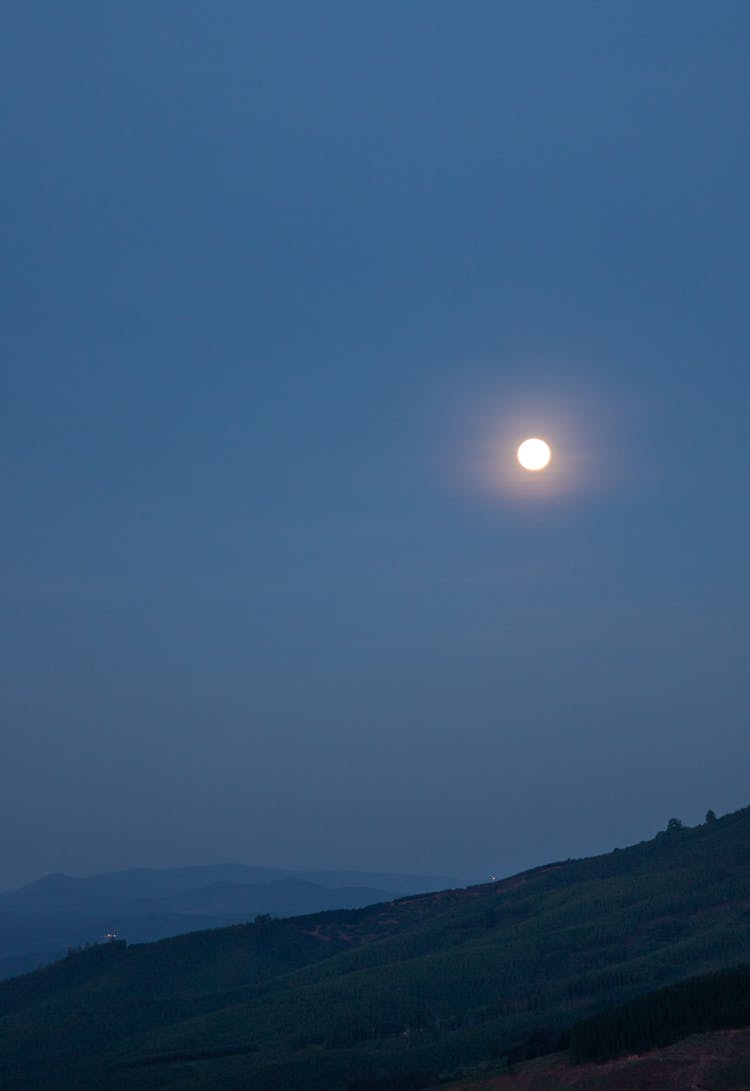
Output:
(392, 995)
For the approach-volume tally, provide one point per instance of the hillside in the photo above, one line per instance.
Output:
(389, 996)
(719, 1061)
(40, 921)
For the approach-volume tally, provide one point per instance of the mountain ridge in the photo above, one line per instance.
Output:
(402, 990)
(132, 883)
(41, 920)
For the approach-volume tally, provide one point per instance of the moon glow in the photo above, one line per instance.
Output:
(534, 454)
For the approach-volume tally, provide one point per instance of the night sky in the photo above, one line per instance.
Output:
(283, 287)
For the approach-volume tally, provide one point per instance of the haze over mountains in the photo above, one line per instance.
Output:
(40, 921)
(394, 996)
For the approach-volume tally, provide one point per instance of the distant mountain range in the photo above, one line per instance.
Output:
(40, 921)
(455, 984)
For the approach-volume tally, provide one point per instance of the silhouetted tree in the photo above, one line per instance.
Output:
(710, 817)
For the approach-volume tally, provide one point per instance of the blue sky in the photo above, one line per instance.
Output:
(282, 286)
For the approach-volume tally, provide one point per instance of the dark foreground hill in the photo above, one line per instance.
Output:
(690, 1036)
(719, 1061)
(391, 996)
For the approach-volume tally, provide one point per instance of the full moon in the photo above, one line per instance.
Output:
(534, 454)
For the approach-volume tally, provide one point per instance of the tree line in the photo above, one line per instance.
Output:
(710, 1002)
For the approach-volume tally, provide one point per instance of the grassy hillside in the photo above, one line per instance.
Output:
(390, 996)
(717, 1061)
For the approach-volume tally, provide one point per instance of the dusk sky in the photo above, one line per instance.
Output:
(284, 285)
